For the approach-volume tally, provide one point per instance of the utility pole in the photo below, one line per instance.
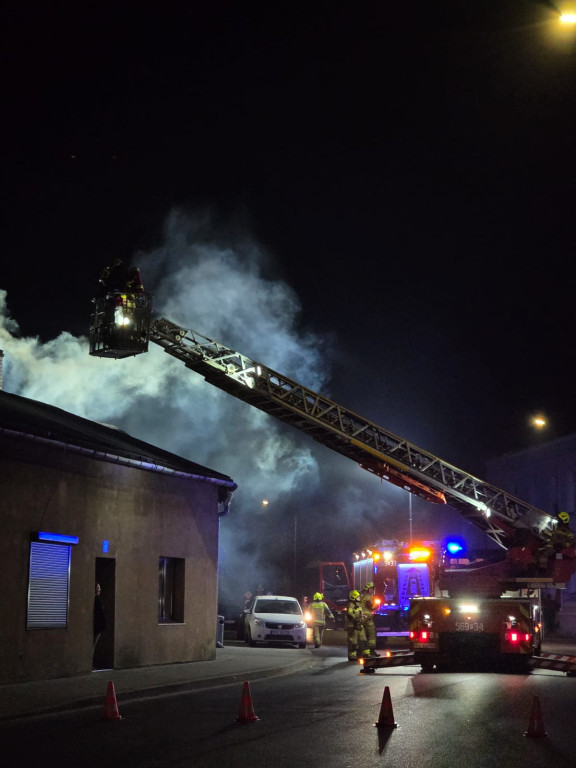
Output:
(294, 554)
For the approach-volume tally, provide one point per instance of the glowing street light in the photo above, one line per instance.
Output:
(567, 12)
(538, 421)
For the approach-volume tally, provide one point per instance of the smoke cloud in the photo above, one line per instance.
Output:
(222, 284)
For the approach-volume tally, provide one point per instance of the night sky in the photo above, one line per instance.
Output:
(376, 199)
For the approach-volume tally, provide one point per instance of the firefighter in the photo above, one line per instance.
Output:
(319, 611)
(368, 605)
(561, 537)
(134, 281)
(354, 625)
(117, 277)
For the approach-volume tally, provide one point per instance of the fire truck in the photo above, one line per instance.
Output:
(481, 608)
(332, 580)
(399, 571)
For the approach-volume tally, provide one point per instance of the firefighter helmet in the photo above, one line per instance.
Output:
(354, 595)
(318, 596)
(564, 517)
(368, 586)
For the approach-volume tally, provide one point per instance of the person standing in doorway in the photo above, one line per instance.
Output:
(99, 616)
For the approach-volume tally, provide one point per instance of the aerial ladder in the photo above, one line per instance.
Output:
(499, 514)
(122, 325)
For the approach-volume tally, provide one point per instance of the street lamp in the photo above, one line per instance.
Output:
(410, 515)
(295, 552)
(567, 11)
(539, 421)
(265, 503)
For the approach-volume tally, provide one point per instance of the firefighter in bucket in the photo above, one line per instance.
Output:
(122, 313)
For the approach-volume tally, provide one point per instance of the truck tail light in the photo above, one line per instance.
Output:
(515, 637)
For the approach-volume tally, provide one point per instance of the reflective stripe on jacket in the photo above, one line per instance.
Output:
(319, 611)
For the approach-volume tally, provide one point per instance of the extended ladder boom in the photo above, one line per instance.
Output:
(491, 509)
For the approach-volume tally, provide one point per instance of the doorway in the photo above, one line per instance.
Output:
(105, 575)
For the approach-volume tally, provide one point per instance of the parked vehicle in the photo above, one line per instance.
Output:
(275, 619)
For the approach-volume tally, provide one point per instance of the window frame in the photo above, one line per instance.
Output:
(48, 598)
(171, 589)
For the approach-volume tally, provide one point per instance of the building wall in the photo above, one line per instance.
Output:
(545, 476)
(142, 515)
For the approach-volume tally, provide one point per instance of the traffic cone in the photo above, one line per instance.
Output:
(110, 706)
(536, 723)
(246, 714)
(386, 717)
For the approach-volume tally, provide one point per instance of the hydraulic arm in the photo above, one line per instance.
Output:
(384, 454)
(122, 326)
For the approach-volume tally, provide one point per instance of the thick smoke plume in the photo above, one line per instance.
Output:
(321, 506)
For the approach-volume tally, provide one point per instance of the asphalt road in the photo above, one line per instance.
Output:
(324, 714)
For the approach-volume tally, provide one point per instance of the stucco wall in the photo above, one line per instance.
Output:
(143, 515)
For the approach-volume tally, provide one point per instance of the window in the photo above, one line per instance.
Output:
(48, 586)
(170, 590)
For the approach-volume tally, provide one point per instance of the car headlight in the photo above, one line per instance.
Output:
(259, 622)
(300, 625)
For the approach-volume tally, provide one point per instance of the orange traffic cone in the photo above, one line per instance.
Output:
(386, 717)
(536, 723)
(246, 714)
(110, 706)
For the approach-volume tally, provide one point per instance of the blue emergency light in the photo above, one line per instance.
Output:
(455, 546)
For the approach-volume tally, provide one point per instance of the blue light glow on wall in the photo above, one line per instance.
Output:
(57, 538)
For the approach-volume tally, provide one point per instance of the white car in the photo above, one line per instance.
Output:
(275, 619)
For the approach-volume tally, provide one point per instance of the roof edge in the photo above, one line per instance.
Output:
(117, 459)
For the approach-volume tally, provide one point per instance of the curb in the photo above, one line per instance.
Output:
(133, 692)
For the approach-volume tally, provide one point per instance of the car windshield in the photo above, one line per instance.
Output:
(277, 606)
